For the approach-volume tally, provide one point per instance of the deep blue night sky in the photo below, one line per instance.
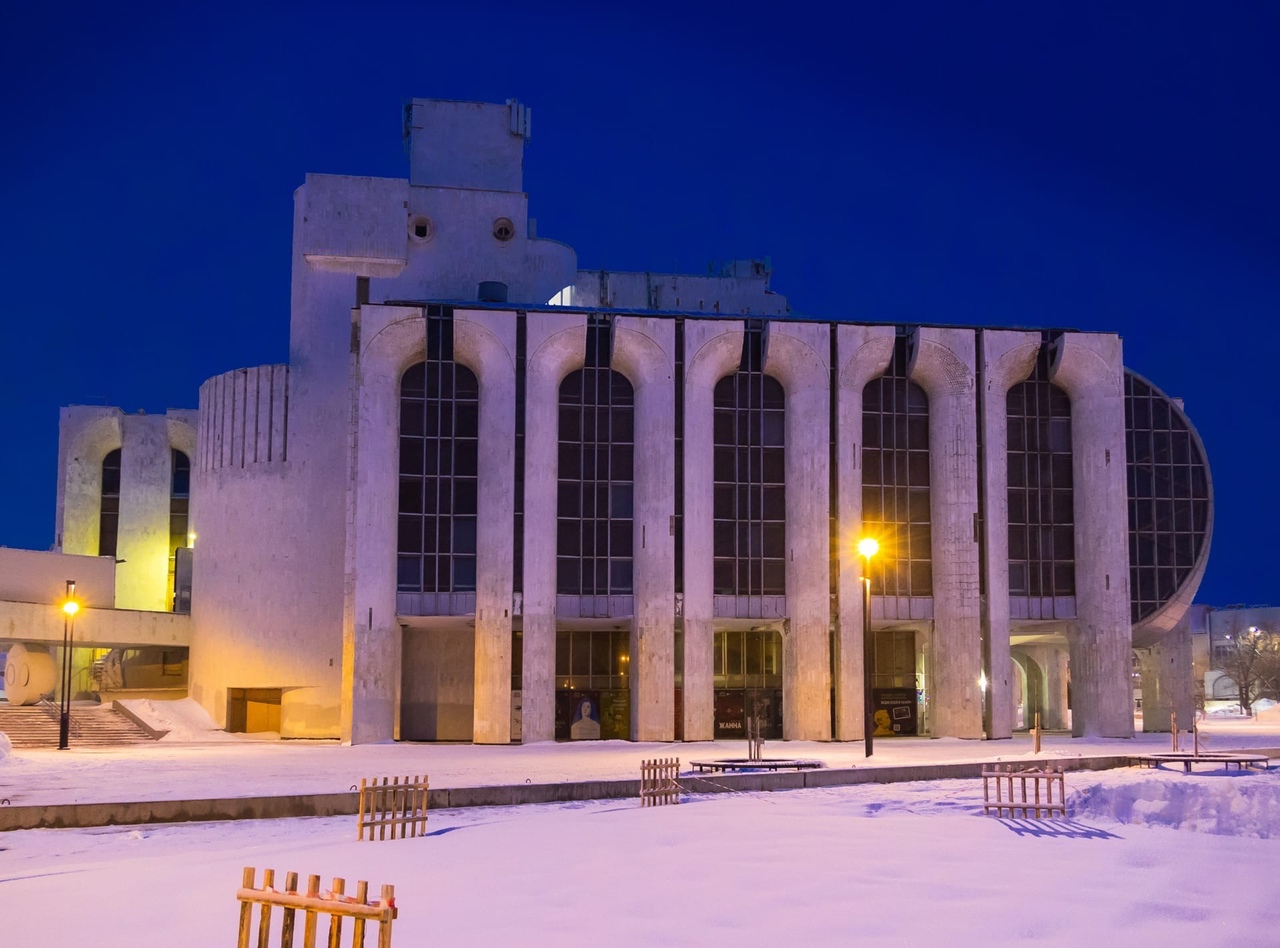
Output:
(1047, 164)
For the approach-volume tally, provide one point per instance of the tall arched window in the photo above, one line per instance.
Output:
(1042, 548)
(750, 496)
(594, 502)
(1168, 496)
(179, 507)
(439, 441)
(895, 481)
(109, 512)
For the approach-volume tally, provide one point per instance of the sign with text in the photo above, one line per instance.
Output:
(895, 711)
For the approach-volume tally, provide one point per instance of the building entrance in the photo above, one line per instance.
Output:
(896, 680)
(748, 682)
(593, 685)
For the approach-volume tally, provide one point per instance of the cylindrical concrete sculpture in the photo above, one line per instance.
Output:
(29, 674)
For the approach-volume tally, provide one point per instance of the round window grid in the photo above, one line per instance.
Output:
(503, 229)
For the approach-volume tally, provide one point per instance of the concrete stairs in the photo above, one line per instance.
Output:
(102, 726)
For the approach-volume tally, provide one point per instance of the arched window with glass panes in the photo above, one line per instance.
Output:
(109, 509)
(594, 509)
(1042, 548)
(895, 481)
(1168, 496)
(749, 479)
(439, 443)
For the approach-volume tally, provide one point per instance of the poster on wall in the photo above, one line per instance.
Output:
(895, 712)
(731, 714)
(584, 724)
(615, 715)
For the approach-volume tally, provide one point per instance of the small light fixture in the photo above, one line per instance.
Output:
(71, 607)
(982, 682)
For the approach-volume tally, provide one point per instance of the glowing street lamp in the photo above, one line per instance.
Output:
(867, 548)
(69, 609)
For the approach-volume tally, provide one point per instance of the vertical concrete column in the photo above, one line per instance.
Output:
(798, 356)
(943, 365)
(556, 344)
(1089, 367)
(1168, 685)
(392, 340)
(86, 435)
(1008, 358)
(485, 342)
(145, 482)
(643, 350)
(864, 352)
(713, 349)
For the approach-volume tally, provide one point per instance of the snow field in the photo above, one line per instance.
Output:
(893, 864)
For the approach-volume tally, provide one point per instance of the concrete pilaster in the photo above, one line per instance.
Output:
(1168, 685)
(1009, 357)
(943, 366)
(864, 354)
(642, 351)
(1089, 367)
(713, 349)
(371, 649)
(798, 357)
(485, 342)
(556, 345)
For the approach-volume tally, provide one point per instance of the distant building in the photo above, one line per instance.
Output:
(492, 496)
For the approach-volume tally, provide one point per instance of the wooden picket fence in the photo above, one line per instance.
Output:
(1007, 803)
(400, 807)
(313, 903)
(659, 783)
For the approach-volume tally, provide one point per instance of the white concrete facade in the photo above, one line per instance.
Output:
(298, 472)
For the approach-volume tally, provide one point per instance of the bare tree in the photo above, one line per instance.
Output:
(1252, 662)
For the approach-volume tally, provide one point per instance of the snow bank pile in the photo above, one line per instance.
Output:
(6, 747)
(1247, 804)
(185, 720)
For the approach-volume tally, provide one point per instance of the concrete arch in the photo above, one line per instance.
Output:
(640, 357)
(713, 349)
(798, 356)
(1090, 369)
(863, 352)
(943, 364)
(182, 437)
(88, 436)
(557, 345)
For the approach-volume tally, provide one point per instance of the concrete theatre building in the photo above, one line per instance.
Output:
(493, 497)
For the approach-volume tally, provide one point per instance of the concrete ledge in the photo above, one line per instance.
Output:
(83, 815)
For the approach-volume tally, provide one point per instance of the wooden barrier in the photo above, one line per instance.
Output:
(1007, 803)
(400, 806)
(313, 903)
(659, 784)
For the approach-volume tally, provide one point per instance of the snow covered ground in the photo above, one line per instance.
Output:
(898, 864)
(231, 767)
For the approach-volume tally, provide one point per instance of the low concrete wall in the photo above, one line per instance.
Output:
(80, 815)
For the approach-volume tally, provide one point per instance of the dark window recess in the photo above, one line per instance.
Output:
(895, 481)
(1042, 550)
(594, 510)
(749, 493)
(109, 512)
(179, 507)
(439, 440)
(1168, 480)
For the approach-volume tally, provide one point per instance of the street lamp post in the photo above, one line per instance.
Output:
(69, 609)
(867, 548)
